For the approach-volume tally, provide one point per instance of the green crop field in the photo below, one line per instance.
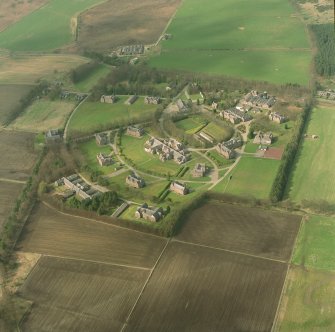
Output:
(314, 175)
(94, 116)
(308, 302)
(251, 177)
(315, 246)
(52, 26)
(43, 115)
(88, 83)
(263, 40)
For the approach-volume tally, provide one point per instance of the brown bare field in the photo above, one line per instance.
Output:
(50, 232)
(17, 155)
(27, 69)
(122, 22)
(201, 289)
(8, 195)
(70, 295)
(274, 153)
(249, 230)
(10, 96)
(13, 10)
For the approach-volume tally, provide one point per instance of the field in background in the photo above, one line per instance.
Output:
(102, 29)
(313, 177)
(251, 177)
(308, 302)
(15, 10)
(27, 69)
(80, 296)
(43, 115)
(17, 155)
(200, 289)
(10, 96)
(262, 41)
(35, 32)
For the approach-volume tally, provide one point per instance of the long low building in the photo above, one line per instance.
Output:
(235, 115)
(258, 99)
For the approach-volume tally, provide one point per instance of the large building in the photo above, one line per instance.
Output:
(134, 181)
(131, 50)
(235, 115)
(263, 138)
(149, 213)
(226, 149)
(276, 117)
(135, 131)
(178, 188)
(102, 139)
(108, 99)
(104, 160)
(168, 149)
(260, 100)
(199, 170)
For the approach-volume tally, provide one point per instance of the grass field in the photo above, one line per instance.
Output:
(265, 40)
(315, 245)
(87, 84)
(52, 233)
(10, 96)
(17, 155)
(313, 177)
(308, 303)
(200, 289)
(43, 115)
(191, 125)
(218, 132)
(35, 33)
(92, 116)
(243, 229)
(71, 295)
(129, 22)
(27, 69)
(9, 192)
(251, 177)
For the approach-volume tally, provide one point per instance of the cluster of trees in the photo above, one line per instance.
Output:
(112, 60)
(288, 158)
(325, 57)
(83, 71)
(103, 204)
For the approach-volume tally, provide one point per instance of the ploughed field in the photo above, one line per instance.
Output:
(96, 276)
(17, 155)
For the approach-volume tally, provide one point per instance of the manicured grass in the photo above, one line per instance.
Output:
(219, 133)
(90, 150)
(43, 115)
(251, 177)
(315, 246)
(88, 83)
(251, 147)
(260, 40)
(313, 177)
(308, 302)
(45, 29)
(191, 124)
(92, 116)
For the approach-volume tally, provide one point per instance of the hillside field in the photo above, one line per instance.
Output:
(34, 31)
(263, 40)
(251, 177)
(94, 116)
(10, 96)
(102, 29)
(313, 177)
(72, 295)
(43, 115)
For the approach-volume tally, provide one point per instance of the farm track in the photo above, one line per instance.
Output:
(12, 181)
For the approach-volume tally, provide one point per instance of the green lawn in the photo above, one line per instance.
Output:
(251, 147)
(308, 302)
(313, 177)
(251, 177)
(191, 124)
(87, 84)
(315, 245)
(46, 28)
(90, 150)
(263, 40)
(94, 116)
(43, 115)
(218, 132)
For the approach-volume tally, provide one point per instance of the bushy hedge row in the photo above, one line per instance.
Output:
(282, 177)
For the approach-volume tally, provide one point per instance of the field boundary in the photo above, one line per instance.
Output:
(144, 286)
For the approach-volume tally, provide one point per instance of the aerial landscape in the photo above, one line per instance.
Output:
(167, 165)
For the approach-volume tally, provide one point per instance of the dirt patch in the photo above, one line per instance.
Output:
(274, 153)
(12, 11)
(249, 230)
(122, 22)
(321, 11)
(200, 289)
